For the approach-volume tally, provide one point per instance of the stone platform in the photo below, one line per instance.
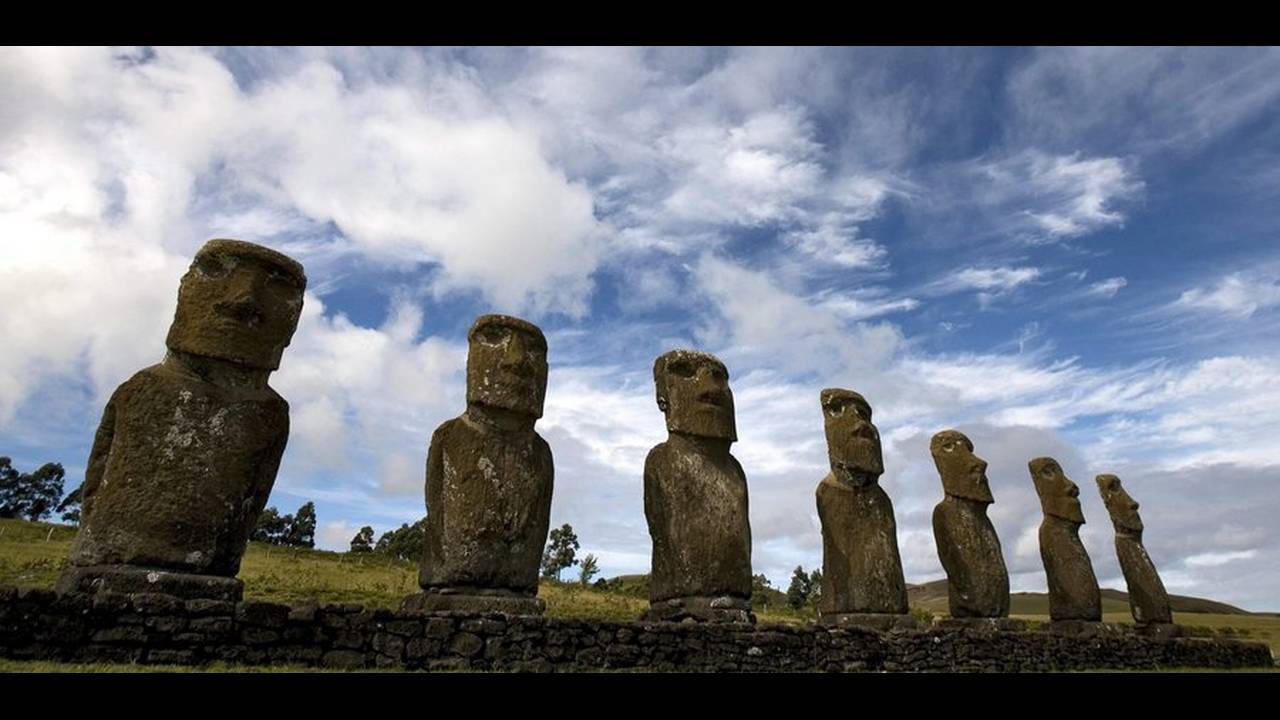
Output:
(153, 628)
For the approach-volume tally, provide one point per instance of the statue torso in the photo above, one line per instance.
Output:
(488, 507)
(189, 470)
(861, 569)
(978, 582)
(696, 506)
(1073, 588)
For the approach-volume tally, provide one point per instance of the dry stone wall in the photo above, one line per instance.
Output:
(161, 629)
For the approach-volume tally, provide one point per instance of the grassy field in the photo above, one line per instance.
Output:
(34, 554)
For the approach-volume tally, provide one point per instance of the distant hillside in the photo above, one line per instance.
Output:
(933, 596)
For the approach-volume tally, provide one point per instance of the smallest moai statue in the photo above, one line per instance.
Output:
(977, 580)
(1147, 597)
(1074, 597)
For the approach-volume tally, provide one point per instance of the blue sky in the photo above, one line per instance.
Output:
(1067, 252)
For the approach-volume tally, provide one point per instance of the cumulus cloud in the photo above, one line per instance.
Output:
(116, 164)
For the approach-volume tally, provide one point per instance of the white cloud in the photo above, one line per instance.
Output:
(1106, 288)
(1212, 559)
(1154, 99)
(995, 278)
(1240, 294)
(1047, 197)
(852, 306)
(336, 535)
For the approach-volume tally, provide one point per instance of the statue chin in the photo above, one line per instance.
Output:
(718, 425)
(856, 476)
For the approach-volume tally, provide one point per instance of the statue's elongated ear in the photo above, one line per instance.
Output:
(662, 404)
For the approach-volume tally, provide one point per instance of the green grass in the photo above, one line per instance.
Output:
(32, 557)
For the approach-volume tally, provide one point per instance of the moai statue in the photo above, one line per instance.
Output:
(187, 450)
(489, 480)
(977, 581)
(695, 497)
(1073, 588)
(862, 581)
(1147, 597)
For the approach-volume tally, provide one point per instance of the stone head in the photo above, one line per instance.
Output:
(853, 443)
(1059, 496)
(1123, 509)
(507, 364)
(238, 302)
(964, 475)
(693, 392)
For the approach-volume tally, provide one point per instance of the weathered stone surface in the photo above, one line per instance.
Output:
(40, 625)
(130, 579)
(983, 624)
(877, 621)
(861, 568)
(187, 450)
(1073, 587)
(977, 580)
(1148, 599)
(512, 604)
(714, 609)
(695, 496)
(490, 476)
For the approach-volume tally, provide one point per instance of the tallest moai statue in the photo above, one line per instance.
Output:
(187, 450)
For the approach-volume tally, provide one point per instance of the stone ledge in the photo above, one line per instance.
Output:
(147, 628)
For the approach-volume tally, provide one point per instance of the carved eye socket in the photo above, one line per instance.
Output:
(210, 265)
(683, 369)
(835, 409)
(279, 277)
(491, 335)
(949, 447)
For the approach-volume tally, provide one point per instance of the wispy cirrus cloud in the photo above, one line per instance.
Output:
(1047, 197)
(1239, 294)
(1106, 288)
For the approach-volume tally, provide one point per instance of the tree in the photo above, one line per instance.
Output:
(560, 551)
(815, 586)
(801, 587)
(363, 541)
(70, 507)
(272, 527)
(30, 495)
(302, 531)
(405, 543)
(588, 569)
(760, 598)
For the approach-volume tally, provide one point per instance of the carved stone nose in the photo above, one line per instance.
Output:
(514, 354)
